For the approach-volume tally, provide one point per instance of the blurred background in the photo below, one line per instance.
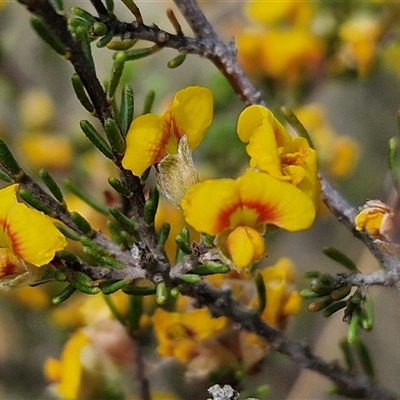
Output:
(335, 64)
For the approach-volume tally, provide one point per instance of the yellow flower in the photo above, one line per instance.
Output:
(91, 362)
(238, 210)
(151, 137)
(376, 218)
(282, 300)
(68, 372)
(360, 35)
(285, 55)
(274, 151)
(179, 334)
(26, 235)
(337, 154)
(273, 12)
(35, 150)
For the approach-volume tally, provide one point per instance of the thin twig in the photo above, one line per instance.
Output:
(220, 303)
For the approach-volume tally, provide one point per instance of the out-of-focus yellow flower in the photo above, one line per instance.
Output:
(36, 110)
(68, 371)
(238, 210)
(26, 235)
(35, 298)
(180, 334)
(360, 35)
(294, 12)
(274, 151)
(151, 137)
(47, 150)
(283, 301)
(91, 362)
(286, 55)
(337, 154)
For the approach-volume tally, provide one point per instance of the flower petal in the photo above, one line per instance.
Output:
(192, 109)
(204, 202)
(30, 234)
(37, 241)
(253, 117)
(145, 145)
(277, 202)
(252, 200)
(263, 150)
(245, 246)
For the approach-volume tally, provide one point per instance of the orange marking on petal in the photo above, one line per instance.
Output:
(12, 236)
(264, 212)
(7, 267)
(170, 136)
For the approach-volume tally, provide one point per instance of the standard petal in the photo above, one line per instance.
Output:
(192, 111)
(208, 205)
(145, 143)
(255, 116)
(32, 235)
(276, 202)
(7, 200)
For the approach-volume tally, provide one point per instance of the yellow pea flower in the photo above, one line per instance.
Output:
(377, 218)
(274, 151)
(180, 333)
(283, 301)
(360, 35)
(337, 154)
(152, 137)
(26, 235)
(238, 210)
(299, 13)
(68, 371)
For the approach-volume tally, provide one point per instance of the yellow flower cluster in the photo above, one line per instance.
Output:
(283, 45)
(210, 345)
(280, 187)
(337, 154)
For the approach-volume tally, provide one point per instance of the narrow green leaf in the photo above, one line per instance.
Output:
(81, 13)
(43, 31)
(161, 293)
(148, 102)
(163, 233)
(178, 60)
(95, 137)
(127, 109)
(119, 187)
(82, 223)
(118, 68)
(8, 160)
(114, 136)
(81, 93)
(149, 213)
(295, 123)
(52, 185)
(105, 40)
(109, 287)
(33, 201)
(74, 189)
(340, 258)
(64, 295)
(190, 278)
(334, 308)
